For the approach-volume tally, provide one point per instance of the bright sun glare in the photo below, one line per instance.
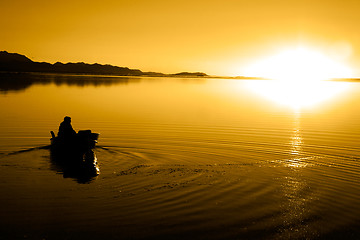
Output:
(297, 75)
(299, 64)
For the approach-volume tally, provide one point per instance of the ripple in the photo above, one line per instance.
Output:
(191, 181)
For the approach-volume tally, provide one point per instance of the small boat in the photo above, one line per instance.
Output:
(75, 156)
(83, 141)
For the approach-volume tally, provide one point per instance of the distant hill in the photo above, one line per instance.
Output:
(188, 74)
(6, 57)
(14, 62)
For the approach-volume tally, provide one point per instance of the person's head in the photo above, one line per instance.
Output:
(67, 119)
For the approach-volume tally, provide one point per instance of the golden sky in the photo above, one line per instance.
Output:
(212, 36)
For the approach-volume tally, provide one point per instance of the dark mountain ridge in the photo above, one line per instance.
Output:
(14, 62)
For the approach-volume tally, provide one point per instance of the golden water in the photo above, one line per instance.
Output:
(181, 159)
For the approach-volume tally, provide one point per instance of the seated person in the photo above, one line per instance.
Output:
(65, 129)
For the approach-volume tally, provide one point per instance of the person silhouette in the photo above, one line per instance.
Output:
(65, 129)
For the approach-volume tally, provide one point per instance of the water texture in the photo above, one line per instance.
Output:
(179, 159)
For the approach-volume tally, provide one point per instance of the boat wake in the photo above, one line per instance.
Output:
(28, 150)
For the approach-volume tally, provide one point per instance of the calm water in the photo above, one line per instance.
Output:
(182, 159)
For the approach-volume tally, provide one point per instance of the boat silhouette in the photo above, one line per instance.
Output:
(74, 157)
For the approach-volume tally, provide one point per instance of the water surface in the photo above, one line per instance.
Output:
(182, 158)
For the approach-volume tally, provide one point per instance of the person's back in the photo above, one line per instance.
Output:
(65, 129)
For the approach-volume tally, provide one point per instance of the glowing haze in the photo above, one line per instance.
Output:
(234, 37)
(299, 64)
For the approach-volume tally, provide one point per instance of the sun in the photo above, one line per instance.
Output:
(299, 64)
(297, 74)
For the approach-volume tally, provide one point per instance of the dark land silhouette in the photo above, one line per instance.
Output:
(14, 62)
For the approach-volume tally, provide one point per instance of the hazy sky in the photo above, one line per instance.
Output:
(216, 37)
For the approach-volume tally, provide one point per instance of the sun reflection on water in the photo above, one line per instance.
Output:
(296, 146)
(297, 94)
(296, 142)
(295, 188)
